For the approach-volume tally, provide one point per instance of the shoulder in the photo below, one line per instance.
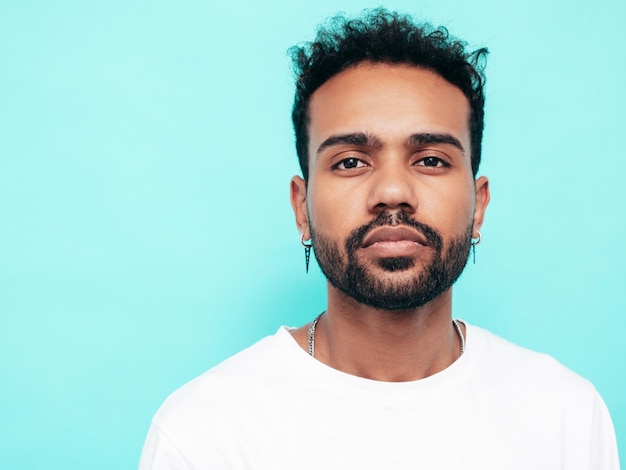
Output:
(529, 372)
(237, 379)
(543, 397)
(197, 423)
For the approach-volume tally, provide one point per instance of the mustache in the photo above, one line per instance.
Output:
(356, 237)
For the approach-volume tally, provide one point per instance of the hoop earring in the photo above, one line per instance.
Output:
(473, 243)
(307, 251)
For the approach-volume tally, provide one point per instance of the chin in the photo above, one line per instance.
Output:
(403, 263)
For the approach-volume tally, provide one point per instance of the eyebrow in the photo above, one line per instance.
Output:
(362, 139)
(356, 138)
(426, 139)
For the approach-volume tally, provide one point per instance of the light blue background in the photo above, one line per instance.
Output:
(145, 228)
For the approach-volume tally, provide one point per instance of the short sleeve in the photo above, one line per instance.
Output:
(603, 452)
(159, 453)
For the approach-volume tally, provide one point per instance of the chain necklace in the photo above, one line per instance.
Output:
(455, 323)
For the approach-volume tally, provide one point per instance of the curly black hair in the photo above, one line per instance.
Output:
(381, 36)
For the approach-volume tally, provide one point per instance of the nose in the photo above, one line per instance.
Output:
(392, 188)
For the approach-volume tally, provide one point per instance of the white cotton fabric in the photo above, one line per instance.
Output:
(272, 406)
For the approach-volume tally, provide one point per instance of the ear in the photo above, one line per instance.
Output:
(298, 204)
(482, 200)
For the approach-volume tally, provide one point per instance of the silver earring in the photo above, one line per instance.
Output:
(475, 242)
(307, 251)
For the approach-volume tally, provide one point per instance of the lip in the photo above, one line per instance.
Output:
(391, 235)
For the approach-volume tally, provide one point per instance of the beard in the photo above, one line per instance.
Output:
(387, 291)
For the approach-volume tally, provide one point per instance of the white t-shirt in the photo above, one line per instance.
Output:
(272, 406)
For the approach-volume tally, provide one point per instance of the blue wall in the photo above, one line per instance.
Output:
(145, 228)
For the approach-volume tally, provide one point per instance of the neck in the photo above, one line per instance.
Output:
(391, 346)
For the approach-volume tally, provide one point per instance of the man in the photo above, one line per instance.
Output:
(388, 118)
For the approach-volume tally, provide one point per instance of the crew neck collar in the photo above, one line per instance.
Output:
(320, 375)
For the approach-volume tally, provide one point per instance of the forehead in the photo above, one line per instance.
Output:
(390, 101)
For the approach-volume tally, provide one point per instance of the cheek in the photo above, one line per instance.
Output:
(451, 211)
(331, 213)
(324, 216)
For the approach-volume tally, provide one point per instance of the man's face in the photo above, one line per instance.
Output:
(391, 202)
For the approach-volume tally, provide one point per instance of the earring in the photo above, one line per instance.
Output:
(474, 243)
(307, 251)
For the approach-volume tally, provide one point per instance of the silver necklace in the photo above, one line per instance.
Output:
(455, 323)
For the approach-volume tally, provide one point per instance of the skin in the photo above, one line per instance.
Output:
(352, 181)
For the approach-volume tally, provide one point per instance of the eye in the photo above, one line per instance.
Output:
(432, 162)
(349, 164)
